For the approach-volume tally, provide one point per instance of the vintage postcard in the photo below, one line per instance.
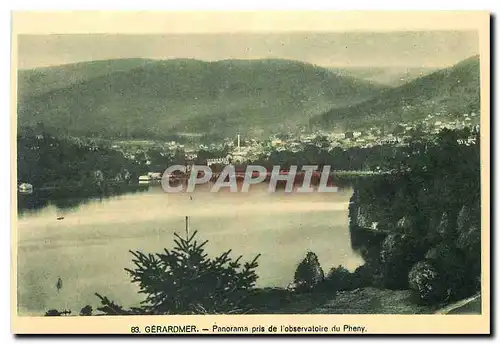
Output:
(250, 173)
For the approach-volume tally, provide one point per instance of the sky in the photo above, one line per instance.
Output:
(429, 49)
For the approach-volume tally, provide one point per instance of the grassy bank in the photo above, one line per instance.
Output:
(368, 300)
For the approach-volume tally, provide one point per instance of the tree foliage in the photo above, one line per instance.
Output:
(433, 197)
(398, 254)
(426, 280)
(185, 280)
(309, 273)
(45, 159)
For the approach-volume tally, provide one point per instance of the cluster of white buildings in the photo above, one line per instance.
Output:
(252, 148)
(374, 136)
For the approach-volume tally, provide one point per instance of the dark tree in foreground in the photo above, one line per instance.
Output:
(185, 280)
(339, 278)
(309, 273)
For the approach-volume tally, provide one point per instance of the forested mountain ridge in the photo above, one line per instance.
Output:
(144, 98)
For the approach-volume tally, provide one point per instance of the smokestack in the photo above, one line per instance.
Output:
(238, 142)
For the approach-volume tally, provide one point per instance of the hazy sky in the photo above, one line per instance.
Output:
(406, 49)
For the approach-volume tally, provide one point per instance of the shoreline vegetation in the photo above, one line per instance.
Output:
(405, 141)
(417, 229)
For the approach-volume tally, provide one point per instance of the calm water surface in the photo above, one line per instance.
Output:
(88, 249)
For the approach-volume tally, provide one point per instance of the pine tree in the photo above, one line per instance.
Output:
(185, 280)
(309, 273)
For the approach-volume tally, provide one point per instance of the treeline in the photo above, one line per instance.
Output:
(382, 156)
(43, 159)
(421, 227)
(354, 158)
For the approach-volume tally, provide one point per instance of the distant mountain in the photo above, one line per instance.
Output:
(453, 90)
(145, 98)
(387, 76)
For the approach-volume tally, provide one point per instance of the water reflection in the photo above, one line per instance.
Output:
(69, 198)
(89, 249)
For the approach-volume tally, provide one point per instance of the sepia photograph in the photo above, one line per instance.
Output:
(277, 172)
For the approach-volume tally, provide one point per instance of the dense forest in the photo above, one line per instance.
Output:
(421, 227)
(149, 99)
(44, 159)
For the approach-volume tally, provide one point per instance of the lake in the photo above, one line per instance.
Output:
(89, 248)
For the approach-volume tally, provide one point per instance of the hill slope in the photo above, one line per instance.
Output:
(452, 90)
(158, 98)
(32, 82)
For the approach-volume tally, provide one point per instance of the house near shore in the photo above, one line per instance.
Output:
(221, 161)
(154, 175)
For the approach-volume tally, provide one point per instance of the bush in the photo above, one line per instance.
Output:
(86, 311)
(427, 282)
(458, 274)
(339, 278)
(309, 273)
(53, 313)
(185, 281)
(56, 313)
(399, 253)
(364, 276)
